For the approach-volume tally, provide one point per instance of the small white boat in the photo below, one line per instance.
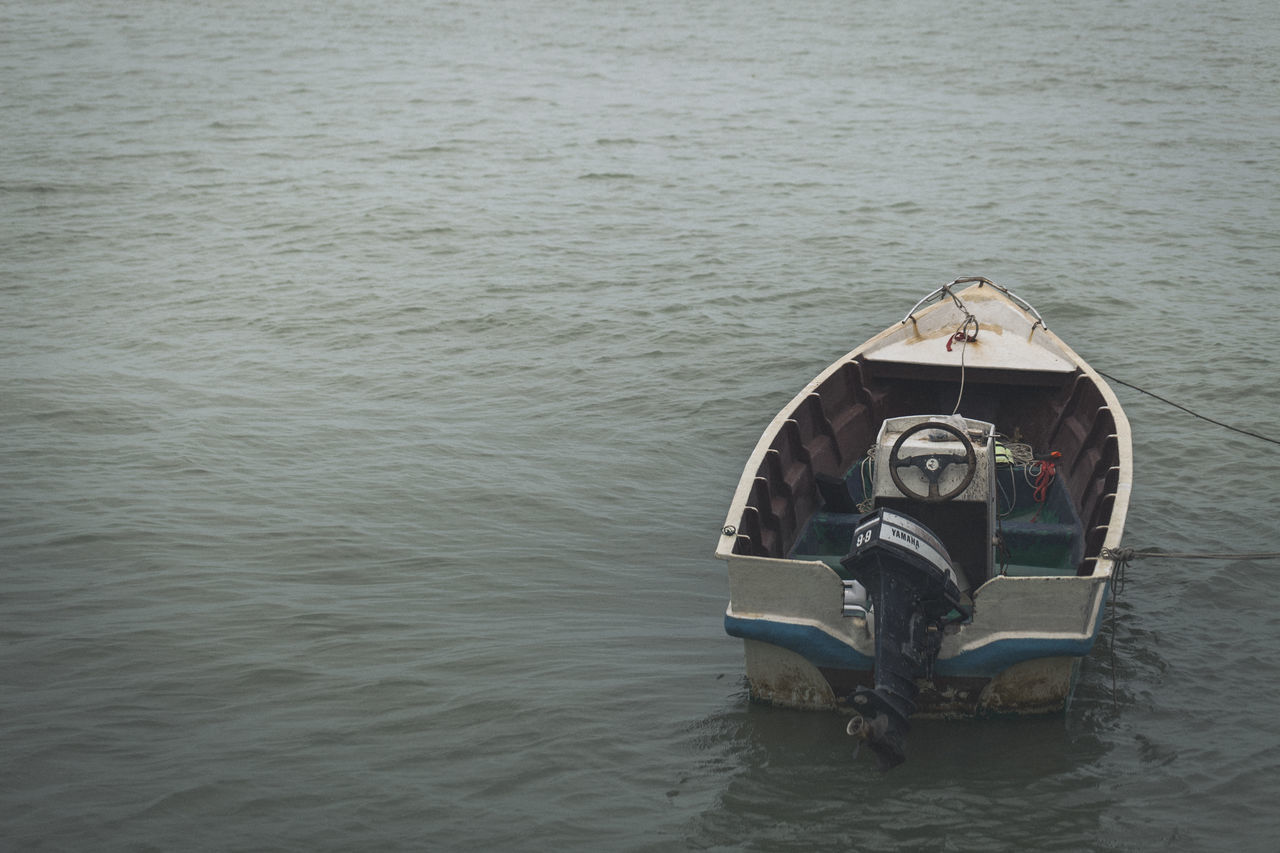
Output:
(926, 527)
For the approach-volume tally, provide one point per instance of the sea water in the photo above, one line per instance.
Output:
(374, 379)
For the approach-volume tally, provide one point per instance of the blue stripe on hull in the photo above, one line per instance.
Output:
(825, 651)
(818, 647)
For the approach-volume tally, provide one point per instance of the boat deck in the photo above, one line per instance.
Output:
(1041, 539)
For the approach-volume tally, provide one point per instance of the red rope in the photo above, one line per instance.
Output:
(1042, 482)
(961, 336)
(963, 333)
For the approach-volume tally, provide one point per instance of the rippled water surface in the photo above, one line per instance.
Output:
(374, 379)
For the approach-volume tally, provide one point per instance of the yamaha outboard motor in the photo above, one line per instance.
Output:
(913, 588)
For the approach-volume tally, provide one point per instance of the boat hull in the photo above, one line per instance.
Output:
(780, 677)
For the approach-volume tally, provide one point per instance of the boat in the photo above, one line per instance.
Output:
(931, 526)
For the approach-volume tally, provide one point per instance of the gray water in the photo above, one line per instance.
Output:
(374, 379)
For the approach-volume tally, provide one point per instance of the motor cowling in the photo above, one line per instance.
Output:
(912, 584)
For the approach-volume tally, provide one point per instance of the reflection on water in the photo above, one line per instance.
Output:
(791, 780)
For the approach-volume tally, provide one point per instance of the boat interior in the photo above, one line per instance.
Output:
(804, 503)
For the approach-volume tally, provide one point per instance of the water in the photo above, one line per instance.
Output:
(376, 377)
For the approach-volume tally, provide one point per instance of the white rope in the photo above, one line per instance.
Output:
(867, 473)
(1019, 453)
(962, 334)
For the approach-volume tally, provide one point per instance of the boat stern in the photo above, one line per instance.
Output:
(1019, 654)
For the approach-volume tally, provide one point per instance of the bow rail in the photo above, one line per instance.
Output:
(945, 290)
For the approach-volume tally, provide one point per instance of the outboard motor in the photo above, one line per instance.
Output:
(914, 593)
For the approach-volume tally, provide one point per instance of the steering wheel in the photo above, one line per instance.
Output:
(931, 465)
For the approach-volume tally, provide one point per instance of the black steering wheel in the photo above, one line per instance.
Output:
(931, 465)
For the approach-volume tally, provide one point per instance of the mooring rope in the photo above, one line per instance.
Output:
(1189, 411)
(1122, 557)
(1125, 555)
